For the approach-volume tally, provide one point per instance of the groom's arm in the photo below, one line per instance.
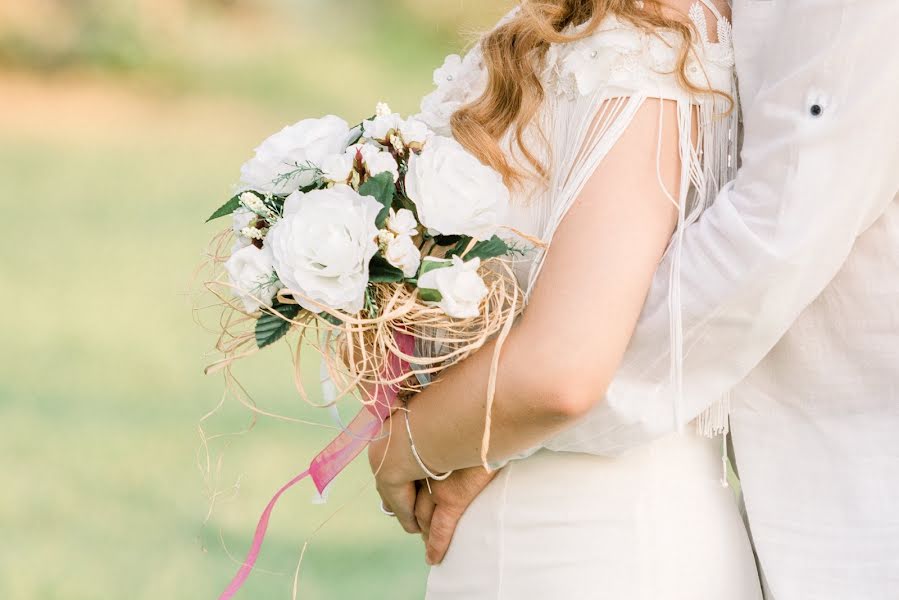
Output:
(820, 165)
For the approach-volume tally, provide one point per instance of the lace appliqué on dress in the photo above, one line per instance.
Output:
(459, 81)
(624, 56)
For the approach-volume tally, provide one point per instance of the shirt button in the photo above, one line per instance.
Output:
(816, 110)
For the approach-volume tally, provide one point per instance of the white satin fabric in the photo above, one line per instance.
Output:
(655, 524)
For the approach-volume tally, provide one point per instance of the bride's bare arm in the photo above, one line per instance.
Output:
(561, 356)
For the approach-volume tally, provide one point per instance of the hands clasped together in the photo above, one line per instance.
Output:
(431, 508)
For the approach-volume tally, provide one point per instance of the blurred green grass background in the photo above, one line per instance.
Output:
(122, 125)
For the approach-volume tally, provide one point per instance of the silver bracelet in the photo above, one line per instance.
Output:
(420, 462)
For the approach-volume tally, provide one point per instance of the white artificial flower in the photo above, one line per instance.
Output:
(382, 162)
(385, 236)
(292, 204)
(241, 218)
(396, 141)
(255, 205)
(402, 222)
(383, 110)
(252, 202)
(381, 127)
(403, 254)
(594, 61)
(252, 276)
(461, 288)
(338, 168)
(252, 233)
(455, 194)
(375, 160)
(307, 142)
(450, 71)
(458, 81)
(322, 246)
(414, 132)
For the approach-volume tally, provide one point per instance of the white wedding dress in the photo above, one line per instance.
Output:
(655, 523)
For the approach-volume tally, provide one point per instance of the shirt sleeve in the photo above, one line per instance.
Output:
(820, 164)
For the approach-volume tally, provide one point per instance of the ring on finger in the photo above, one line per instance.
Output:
(385, 511)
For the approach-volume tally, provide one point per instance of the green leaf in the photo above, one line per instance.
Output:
(355, 134)
(429, 295)
(331, 319)
(270, 327)
(226, 209)
(460, 246)
(428, 265)
(405, 202)
(381, 271)
(382, 188)
(484, 250)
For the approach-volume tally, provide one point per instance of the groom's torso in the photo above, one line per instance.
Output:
(816, 424)
(816, 436)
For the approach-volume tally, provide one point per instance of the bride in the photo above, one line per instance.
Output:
(613, 122)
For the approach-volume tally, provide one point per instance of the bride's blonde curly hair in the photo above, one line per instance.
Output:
(514, 54)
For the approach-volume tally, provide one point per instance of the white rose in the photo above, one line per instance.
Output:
(308, 141)
(380, 127)
(402, 222)
(337, 168)
(251, 274)
(414, 132)
(460, 286)
(241, 218)
(322, 246)
(403, 254)
(455, 194)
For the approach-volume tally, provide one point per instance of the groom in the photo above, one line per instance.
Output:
(790, 304)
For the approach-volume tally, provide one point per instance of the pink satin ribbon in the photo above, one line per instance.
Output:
(335, 457)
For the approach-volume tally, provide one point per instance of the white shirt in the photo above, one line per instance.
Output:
(790, 303)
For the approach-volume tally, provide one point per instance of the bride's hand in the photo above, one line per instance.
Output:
(395, 474)
(438, 511)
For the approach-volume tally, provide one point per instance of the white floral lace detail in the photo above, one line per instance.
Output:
(623, 56)
(458, 81)
(619, 55)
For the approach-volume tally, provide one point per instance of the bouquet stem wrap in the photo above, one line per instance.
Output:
(337, 455)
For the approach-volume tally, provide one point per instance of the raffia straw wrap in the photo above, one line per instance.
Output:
(355, 353)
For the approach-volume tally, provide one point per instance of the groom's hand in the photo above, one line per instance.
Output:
(438, 512)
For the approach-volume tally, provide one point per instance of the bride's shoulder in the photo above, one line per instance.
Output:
(622, 57)
(619, 56)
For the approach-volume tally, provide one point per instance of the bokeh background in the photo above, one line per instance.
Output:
(122, 126)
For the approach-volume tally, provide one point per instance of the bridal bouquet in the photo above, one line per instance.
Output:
(363, 235)
(378, 246)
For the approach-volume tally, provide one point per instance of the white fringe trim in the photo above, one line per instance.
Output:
(714, 421)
